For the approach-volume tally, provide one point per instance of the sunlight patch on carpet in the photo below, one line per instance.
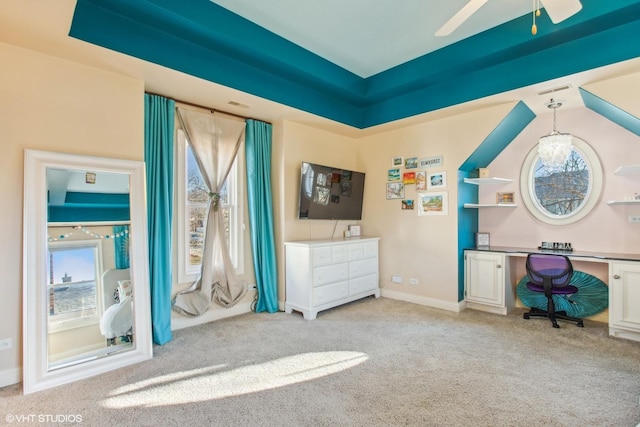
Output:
(222, 381)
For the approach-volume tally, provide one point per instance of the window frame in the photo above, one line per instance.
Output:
(67, 322)
(527, 185)
(188, 273)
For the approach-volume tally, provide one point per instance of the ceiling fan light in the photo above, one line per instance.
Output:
(559, 10)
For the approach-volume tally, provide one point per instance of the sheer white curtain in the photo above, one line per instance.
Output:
(214, 139)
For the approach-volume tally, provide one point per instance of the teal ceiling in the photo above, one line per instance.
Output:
(202, 39)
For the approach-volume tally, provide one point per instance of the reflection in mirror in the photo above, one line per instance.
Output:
(85, 279)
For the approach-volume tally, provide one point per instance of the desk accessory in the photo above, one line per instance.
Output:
(482, 240)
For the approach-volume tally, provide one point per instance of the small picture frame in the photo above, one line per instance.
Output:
(409, 178)
(421, 180)
(393, 175)
(407, 204)
(505, 198)
(411, 163)
(482, 240)
(397, 161)
(436, 180)
(354, 230)
(395, 190)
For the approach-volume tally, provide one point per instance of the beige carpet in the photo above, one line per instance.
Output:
(375, 362)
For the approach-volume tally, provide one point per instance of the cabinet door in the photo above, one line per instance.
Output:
(624, 295)
(484, 278)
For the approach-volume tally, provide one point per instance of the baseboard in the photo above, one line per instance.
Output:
(10, 376)
(429, 302)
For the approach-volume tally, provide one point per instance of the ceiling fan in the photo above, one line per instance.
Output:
(558, 11)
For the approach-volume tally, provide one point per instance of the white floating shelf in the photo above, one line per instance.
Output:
(623, 202)
(478, 181)
(627, 170)
(490, 205)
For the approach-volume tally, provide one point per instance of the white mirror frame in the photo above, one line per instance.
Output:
(36, 374)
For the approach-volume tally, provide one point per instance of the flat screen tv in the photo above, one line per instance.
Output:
(330, 193)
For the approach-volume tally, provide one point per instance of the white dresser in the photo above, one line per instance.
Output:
(321, 274)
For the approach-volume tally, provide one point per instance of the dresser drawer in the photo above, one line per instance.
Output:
(330, 273)
(363, 284)
(370, 249)
(321, 256)
(363, 267)
(330, 293)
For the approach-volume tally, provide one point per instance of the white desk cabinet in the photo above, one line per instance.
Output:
(484, 282)
(624, 298)
(321, 274)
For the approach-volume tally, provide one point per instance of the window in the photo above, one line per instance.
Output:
(192, 198)
(74, 284)
(565, 195)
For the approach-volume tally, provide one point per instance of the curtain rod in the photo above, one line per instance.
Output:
(213, 110)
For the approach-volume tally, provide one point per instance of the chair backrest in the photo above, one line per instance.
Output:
(553, 269)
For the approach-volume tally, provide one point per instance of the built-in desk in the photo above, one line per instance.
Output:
(492, 273)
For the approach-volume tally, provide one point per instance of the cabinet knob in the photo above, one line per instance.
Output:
(499, 266)
(616, 276)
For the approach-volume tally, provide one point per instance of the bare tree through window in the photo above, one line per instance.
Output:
(562, 191)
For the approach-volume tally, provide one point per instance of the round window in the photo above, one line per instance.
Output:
(562, 195)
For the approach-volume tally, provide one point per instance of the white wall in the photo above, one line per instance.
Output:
(55, 105)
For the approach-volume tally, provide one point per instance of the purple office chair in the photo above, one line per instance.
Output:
(550, 274)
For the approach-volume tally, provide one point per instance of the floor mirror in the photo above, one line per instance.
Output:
(86, 308)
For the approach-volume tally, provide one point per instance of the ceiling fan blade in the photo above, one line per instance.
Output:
(462, 15)
(559, 10)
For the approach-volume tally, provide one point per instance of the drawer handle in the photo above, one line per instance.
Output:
(616, 276)
(499, 266)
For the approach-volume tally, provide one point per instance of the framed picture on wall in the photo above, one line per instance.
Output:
(436, 180)
(504, 198)
(433, 203)
(395, 190)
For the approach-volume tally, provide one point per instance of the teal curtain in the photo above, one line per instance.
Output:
(258, 158)
(158, 154)
(121, 244)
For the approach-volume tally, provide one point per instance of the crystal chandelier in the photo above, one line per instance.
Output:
(554, 149)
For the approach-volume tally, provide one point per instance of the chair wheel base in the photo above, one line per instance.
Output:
(559, 315)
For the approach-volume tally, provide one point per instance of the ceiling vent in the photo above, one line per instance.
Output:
(554, 90)
(237, 104)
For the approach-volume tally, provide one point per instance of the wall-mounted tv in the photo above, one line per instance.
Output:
(330, 193)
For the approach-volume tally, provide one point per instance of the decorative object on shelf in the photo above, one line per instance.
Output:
(554, 149)
(434, 203)
(395, 190)
(557, 246)
(483, 173)
(482, 240)
(354, 230)
(504, 198)
(436, 180)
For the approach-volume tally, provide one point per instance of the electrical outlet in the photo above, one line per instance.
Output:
(6, 344)
(396, 279)
(413, 281)
(634, 218)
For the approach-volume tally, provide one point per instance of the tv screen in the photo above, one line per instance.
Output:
(330, 193)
